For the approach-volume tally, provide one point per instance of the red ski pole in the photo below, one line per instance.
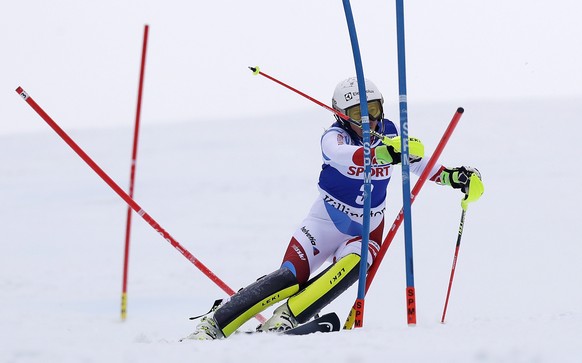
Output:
(146, 217)
(257, 71)
(398, 221)
(457, 246)
(475, 191)
(132, 175)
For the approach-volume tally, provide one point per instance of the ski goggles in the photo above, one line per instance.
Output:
(374, 111)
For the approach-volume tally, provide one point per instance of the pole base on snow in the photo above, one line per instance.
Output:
(411, 306)
(359, 313)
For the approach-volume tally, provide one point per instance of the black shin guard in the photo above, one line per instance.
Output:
(255, 298)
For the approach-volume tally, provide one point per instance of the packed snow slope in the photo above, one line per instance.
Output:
(228, 165)
(232, 190)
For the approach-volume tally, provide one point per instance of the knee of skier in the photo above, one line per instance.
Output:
(295, 260)
(355, 246)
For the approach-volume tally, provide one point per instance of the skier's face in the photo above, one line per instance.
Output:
(374, 114)
(374, 111)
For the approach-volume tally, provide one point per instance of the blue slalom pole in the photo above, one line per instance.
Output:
(359, 305)
(410, 293)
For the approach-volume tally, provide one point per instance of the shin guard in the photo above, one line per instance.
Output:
(255, 298)
(325, 288)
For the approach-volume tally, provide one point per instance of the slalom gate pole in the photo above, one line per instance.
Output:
(461, 225)
(132, 175)
(398, 220)
(410, 292)
(359, 318)
(132, 203)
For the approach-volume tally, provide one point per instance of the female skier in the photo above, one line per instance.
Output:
(332, 229)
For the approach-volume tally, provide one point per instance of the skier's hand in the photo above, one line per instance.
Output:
(467, 179)
(390, 152)
(387, 155)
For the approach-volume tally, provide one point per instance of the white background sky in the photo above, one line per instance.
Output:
(87, 53)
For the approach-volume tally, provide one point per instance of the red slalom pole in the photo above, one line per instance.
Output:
(417, 187)
(132, 203)
(132, 174)
(398, 221)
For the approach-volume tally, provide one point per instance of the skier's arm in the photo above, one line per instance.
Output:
(336, 148)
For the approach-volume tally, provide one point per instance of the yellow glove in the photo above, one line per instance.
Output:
(474, 191)
(467, 179)
(390, 152)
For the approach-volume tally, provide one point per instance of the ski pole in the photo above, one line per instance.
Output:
(146, 217)
(257, 71)
(475, 191)
(132, 175)
(461, 224)
(398, 221)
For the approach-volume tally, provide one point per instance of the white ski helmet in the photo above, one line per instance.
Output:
(346, 94)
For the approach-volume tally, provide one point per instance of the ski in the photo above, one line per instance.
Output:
(324, 324)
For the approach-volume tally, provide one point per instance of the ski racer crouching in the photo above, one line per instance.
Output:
(332, 229)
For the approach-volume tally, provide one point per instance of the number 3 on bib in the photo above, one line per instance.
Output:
(360, 198)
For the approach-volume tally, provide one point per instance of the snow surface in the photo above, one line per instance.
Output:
(233, 191)
(228, 164)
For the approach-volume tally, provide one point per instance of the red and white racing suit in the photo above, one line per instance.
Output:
(333, 227)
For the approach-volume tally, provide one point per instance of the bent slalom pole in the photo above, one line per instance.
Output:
(473, 194)
(146, 217)
(398, 221)
(359, 316)
(132, 175)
